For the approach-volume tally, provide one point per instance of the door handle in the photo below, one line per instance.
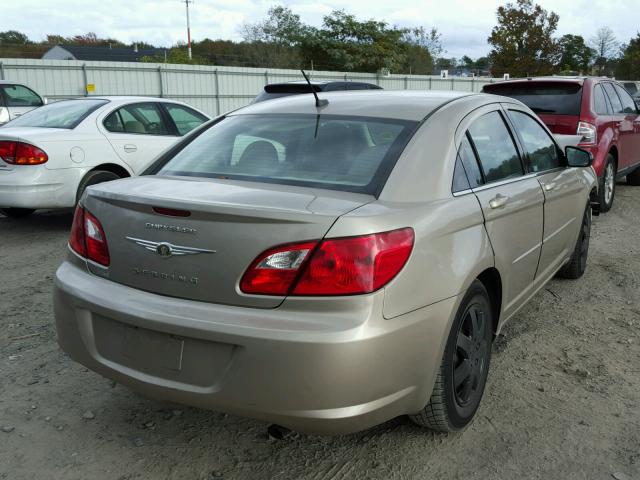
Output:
(498, 201)
(549, 186)
(130, 148)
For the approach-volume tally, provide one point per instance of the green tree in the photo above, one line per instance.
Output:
(281, 26)
(13, 37)
(522, 41)
(575, 55)
(629, 65)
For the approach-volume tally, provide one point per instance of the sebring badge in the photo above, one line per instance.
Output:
(166, 249)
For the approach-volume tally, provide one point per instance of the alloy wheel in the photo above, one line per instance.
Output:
(609, 183)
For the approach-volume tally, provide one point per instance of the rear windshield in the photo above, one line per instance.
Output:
(546, 98)
(64, 114)
(354, 154)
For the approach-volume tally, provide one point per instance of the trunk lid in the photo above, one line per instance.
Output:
(236, 220)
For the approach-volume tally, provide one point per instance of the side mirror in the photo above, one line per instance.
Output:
(577, 157)
(45, 100)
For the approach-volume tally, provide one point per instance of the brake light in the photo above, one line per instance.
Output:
(589, 133)
(87, 237)
(342, 266)
(19, 153)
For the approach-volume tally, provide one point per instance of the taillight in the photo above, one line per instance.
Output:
(19, 153)
(87, 237)
(342, 266)
(589, 133)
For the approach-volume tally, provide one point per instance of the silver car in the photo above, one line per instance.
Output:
(16, 99)
(326, 268)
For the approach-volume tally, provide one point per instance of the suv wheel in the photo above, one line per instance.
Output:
(465, 364)
(607, 187)
(634, 178)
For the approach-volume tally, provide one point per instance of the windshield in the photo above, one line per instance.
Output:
(63, 114)
(336, 152)
(550, 98)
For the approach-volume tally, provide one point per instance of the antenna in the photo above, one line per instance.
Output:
(187, 2)
(319, 103)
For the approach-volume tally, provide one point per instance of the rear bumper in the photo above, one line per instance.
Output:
(328, 370)
(34, 186)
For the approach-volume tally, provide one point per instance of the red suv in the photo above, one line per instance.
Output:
(599, 109)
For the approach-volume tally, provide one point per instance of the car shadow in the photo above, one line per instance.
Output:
(41, 220)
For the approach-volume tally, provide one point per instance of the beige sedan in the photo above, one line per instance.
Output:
(326, 266)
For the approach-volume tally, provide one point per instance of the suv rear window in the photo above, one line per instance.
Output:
(553, 98)
(336, 152)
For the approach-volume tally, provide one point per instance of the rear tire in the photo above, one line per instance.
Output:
(465, 362)
(634, 178)
(578, 262)
(607, 184)
(17, 212)
(93, 178)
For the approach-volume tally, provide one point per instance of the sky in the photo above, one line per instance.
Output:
(464, 24)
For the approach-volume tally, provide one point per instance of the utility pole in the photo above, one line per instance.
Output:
(187, 2)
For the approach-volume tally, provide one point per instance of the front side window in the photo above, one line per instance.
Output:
(628, 105)
(600, 102)
(497, 152)
(326, 151)
(21, 96)
(541, 151)
(185, 118)
(65, 114)
(137, 118)
(613, 98)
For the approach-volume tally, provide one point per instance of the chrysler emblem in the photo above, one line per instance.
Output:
(166, 249)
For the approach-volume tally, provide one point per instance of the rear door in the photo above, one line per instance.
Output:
(624, 126)
(512, 204)
(19, 99)
(139, 132)
(563, 191)
(632, 123)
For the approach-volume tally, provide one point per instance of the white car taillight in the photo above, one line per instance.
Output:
(588, 132)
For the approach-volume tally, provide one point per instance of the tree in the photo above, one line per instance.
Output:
(13, 37)
(629, 65)
(522, 42)
(606, 46)
(281, 26)
(575, 55)
(430, 39)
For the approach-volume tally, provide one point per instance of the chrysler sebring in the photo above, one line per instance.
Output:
(326, 265)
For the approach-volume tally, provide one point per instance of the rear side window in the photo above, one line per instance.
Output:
(541, 150)
(628, 105)
(20, 96)
(139, 118)
(496, 150)
(467, 172)
(185, 118)
(543, 97)
(600, 102)
(350, 153)
(613, 98)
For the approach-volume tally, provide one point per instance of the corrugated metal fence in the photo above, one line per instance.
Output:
(213, 90)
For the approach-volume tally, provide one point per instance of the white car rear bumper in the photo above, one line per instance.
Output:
(34, 186)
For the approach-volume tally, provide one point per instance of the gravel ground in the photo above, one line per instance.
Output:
(563, 399)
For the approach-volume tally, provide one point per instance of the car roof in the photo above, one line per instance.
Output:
(404, 104)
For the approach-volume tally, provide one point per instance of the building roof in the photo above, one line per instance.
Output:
(104, 54)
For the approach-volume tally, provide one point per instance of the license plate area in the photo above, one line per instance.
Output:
(150, 349)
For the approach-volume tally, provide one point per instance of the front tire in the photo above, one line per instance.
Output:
(607, 187)
(93, 178)
(463, 373)
(578, 262)
(17, 212)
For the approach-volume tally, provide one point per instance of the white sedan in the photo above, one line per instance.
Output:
(51, 154)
